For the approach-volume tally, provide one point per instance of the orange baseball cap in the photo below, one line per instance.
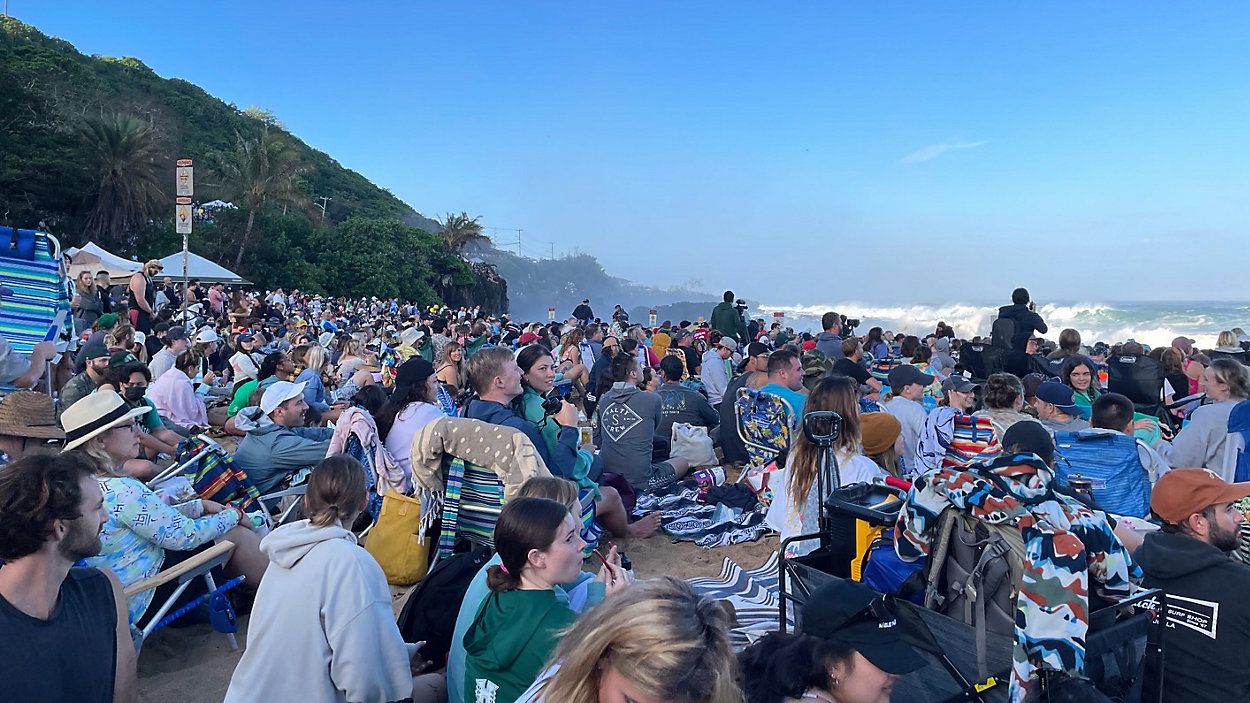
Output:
(1183, 492)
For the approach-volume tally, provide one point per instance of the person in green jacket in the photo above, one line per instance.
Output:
(727, 320)
(516, 629)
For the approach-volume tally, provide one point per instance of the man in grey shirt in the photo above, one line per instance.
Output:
(681, 404)
(625, 434)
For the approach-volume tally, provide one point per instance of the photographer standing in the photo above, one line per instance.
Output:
(1022, 314)
(829, 342)
(727, 319)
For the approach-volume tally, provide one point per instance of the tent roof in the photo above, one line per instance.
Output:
(93, 257)
(201, 268)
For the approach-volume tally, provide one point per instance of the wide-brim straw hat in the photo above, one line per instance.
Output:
(96, 413)
(29, 414)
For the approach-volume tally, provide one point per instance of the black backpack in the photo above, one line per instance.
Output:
(1002, 331)
(431, 610)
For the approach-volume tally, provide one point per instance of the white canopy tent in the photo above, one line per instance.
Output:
(200, 268)
(93, 257)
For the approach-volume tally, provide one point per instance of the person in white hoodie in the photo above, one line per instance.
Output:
(322, 629)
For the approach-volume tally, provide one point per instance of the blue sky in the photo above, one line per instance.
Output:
(822, 152)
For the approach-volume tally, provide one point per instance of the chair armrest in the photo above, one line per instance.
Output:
(218, 553)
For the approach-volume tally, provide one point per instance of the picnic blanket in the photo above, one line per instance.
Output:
(753, 594)
(686, 519)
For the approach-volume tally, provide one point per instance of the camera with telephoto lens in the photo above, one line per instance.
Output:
(555, 399)
(849, 324)
(822, 427)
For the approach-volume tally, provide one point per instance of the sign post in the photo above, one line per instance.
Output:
(551, 314)
(651, 317)
(185, 188)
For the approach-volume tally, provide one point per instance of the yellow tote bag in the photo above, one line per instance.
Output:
(396, 541)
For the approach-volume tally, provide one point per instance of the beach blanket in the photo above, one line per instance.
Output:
(685, 519)
(752, 593)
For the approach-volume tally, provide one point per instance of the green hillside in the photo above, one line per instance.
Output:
(49, 92)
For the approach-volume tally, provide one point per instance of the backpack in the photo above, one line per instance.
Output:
(1002, 332)
(973, 575)
(1110, 462)
(432, 607)
(766, 424)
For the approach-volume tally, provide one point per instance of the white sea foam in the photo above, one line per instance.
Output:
(1153, 325)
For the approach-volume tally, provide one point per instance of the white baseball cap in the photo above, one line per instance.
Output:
(279, 393)
(206, 335)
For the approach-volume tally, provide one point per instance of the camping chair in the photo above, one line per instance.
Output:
(945, 644)
(471, 505)
(981, 360)
(1140, 378)
(766, 423)
(38, 310)
(880, 368)
(222, 614)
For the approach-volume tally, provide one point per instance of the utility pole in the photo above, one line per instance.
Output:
(518, 243)
(553, 250)
(324, 201)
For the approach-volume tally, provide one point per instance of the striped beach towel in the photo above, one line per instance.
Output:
(216, 477)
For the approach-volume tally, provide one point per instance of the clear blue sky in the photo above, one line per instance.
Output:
(803, 152)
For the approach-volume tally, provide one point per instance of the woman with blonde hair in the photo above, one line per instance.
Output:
(570, 358)
(144, 532)
(1203, 441)
(453, 369)
(317, 365)
(86, 304)
(655, 641)
(796, 509)
(1227, 347)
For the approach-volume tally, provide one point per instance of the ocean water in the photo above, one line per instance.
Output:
(1154, 324)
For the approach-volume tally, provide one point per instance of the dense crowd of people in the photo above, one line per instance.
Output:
(275, 375)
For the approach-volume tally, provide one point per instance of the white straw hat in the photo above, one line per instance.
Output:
(96, 413)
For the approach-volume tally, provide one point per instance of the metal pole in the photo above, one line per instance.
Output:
(186, 287)
(518, 243)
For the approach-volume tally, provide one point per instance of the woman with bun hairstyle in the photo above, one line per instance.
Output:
(540, 546)
(322, 628)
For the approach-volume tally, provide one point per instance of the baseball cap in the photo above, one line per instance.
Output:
(107, 320)
(95, 350)
(155, 263)
(245, 337)
(1031, 436)
(1059, 395)
(905, 375)
(206, 335)
(729, 343)
(175, 333)
(757, 348)
(279, 393)
(851, 613)
(1182, 492)
(413, 371)
(122, 358)
(958, 383)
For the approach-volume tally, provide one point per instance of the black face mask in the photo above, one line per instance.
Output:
(134, 393)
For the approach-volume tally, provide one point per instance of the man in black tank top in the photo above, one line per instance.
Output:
(141, 294)
(65, 634)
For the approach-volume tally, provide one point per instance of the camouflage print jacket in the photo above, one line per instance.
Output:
(1065, 543)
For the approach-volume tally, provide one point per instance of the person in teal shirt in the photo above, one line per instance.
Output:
(785, 379)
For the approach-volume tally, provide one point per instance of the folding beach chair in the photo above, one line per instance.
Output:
(471, 505)
(1140, 378)
(38, 310)
(221, 613)
(766, 424)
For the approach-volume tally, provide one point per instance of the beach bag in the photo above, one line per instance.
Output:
(432, 607)
(766, 423)
(1003, 329)
(1112, 465)
(692, 444)
(396, 541)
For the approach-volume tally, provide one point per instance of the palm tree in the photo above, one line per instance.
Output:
(260, 171)
(459, 231)
(120, 152)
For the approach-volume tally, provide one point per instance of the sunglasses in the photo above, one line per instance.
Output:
(877, 611)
